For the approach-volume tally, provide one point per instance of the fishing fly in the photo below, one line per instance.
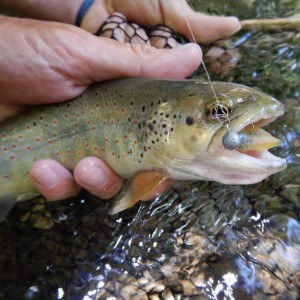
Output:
(231, 140)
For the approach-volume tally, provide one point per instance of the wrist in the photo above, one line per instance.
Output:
(94, 16)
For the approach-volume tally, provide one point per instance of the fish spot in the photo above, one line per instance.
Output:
(29, 148)
(129, 119)
(34, 124)
(193, 139)
(37, 139)
(152, 103)
(131, 103)
(12, 157)
(116, 141)
(143, 108)
(164, 125)
(13, 146)
(150, 126)
(189, 121)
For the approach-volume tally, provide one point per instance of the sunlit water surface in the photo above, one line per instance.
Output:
(201, 240)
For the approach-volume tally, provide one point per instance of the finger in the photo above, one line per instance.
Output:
(134, 60)
(94, 175)
(207, 29)
(173, 14)
(53, 180)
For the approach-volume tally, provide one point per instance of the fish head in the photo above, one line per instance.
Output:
(191, 131)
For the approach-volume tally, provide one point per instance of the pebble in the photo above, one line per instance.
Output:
(167, 295)
(189, 288)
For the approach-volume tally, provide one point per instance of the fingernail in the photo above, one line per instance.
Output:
(94, 176)
(46, 177)
(238, 25)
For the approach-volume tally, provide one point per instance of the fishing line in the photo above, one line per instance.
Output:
(231, 140)
(219, 105)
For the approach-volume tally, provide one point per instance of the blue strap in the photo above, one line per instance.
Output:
(82, 11)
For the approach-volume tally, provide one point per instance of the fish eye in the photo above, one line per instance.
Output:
(189, 121)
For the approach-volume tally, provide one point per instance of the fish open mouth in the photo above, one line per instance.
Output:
(256, 142)
(251, 162)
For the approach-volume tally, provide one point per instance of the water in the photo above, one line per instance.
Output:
(201, 240)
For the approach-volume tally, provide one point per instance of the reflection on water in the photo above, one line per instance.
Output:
(201, 240)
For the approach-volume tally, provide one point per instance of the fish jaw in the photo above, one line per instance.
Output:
(246, 167)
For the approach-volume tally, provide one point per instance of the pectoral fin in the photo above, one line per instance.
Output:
(143, 186)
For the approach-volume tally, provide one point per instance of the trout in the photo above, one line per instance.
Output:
(145, 128)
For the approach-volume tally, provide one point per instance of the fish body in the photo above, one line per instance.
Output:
(135, 125)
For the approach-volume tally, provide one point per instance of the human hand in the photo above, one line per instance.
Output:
(51, 62)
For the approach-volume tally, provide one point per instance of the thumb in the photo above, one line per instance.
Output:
(135, 60)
